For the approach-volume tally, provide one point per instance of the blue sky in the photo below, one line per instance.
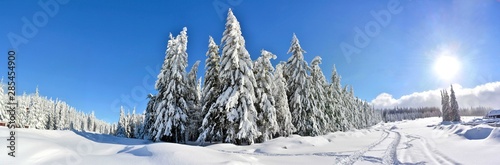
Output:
(98, 55)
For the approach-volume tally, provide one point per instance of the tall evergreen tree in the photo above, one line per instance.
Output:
(265, 103)
(321, 108)
(445, 106)
(454, 106)
(283, 115)
(149, 118)
(299, 94)
(338, 117)
(211, 90)
(172, 93)
(122, 124)
(194, 111)
(234, 108)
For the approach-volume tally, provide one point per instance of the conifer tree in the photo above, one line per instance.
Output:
(283, 115)
(454, 106)
(172, 109)
(194, 111)
(265, 103)
(299, 92)
(321, 109)
(122, 124)
(234, 109)
(445, 106)
(149, 118)
(211, 90)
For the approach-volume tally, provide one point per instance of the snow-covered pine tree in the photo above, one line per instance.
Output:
(194, 112)
(172, 93)
(265, 103)
(49, 124)
(235, 106)
(90, 121)
(445, 105)
(454, 106)
(334, 93)
(122, 124)
(32, 109)
(322, 109)
(347, 109)
(211, 90)
(139, 126)
(299, 94)
(283, 115)
(131, 124)
(149, 118)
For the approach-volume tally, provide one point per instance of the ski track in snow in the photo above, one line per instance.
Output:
(434, 155)
(390, 155)
(341, 157)
(351, 159)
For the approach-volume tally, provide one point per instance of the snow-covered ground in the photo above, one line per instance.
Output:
(421, 141)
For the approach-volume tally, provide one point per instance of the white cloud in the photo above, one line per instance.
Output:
(486, 95)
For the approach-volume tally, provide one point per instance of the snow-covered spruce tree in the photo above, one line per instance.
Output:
(90, 122)
(131, 124)
(234, 109)
(193, 100)
(122, 124)
(171, 121)
(347, 109)
(35, 111)
(283, 116)
(211, 90)
(61, 108)
(354, 111)
(445, 105)
(265, 103)
(454, 106)
(322, 109)
(299, 92)
(334, 95)
(149, 118)
(139, 126)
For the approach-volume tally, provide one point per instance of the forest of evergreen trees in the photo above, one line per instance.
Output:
(243, 101)
(35, 111)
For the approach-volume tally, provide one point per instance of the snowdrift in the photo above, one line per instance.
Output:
(422, 141)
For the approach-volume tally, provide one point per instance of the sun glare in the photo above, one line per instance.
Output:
(446, 67)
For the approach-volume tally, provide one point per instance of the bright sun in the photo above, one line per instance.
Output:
(446, 67)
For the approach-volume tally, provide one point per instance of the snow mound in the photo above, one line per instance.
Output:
(478, 133)
(476, 129)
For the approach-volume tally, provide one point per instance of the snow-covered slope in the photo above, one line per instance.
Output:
(420, 141)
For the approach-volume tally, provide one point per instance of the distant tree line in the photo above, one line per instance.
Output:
(38, 112)
(405, 113)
